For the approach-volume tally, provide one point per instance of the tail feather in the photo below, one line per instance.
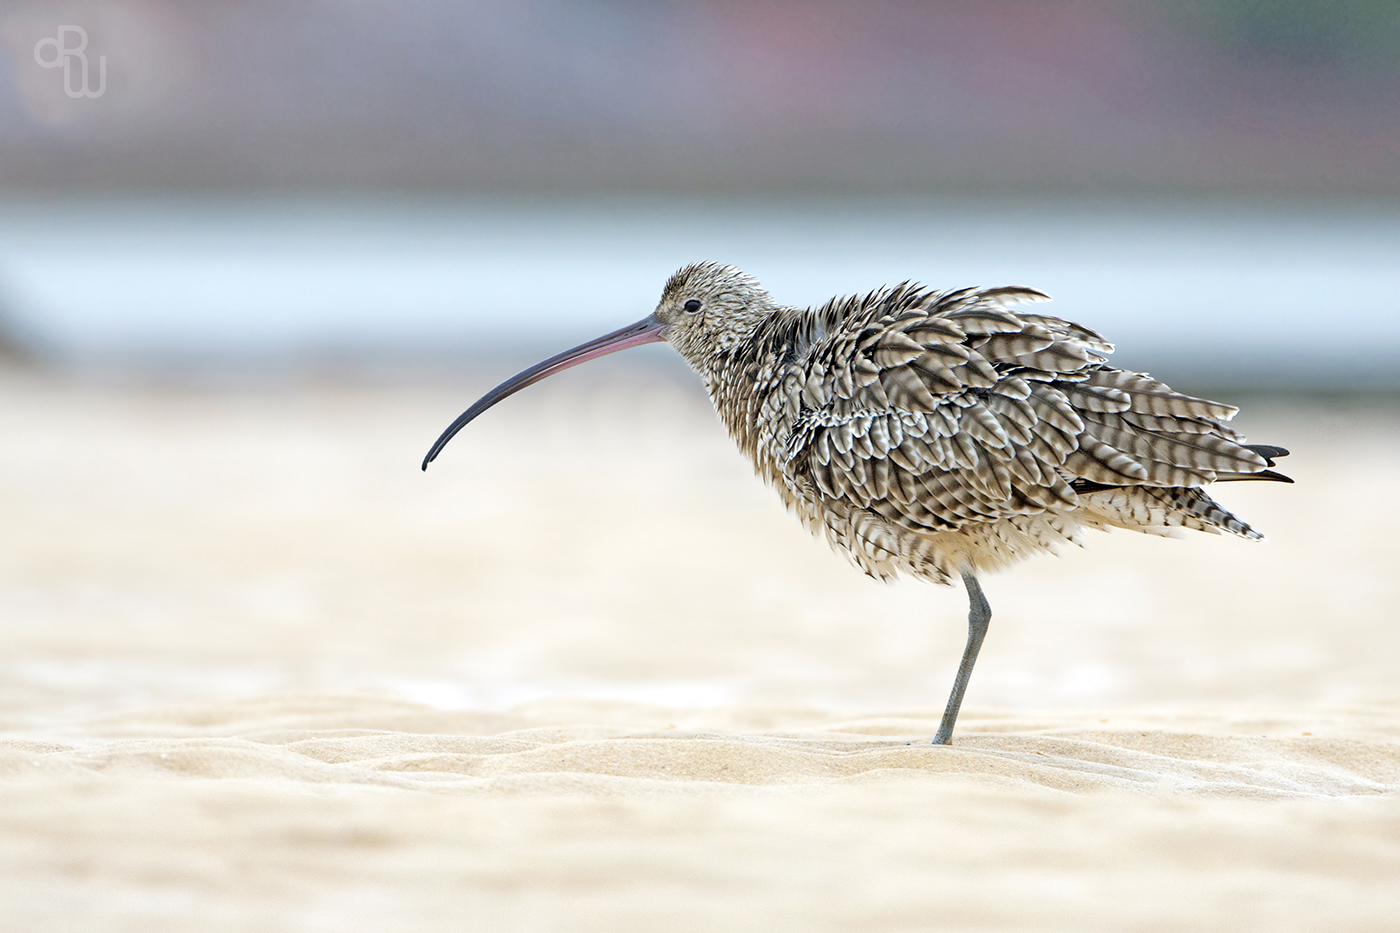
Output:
(1210, 513)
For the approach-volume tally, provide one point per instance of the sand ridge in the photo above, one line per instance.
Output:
(395, 744)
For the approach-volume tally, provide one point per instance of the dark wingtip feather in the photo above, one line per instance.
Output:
(1268, 452)
(1086, 486)
(1269, 475)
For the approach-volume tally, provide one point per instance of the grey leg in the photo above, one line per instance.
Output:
(979, 615)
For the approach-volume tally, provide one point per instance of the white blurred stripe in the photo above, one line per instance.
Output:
(1261, 285)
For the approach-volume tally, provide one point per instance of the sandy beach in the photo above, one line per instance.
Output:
(257, 672)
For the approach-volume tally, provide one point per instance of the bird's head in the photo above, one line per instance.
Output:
(706, 309)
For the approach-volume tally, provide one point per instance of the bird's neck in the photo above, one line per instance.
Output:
(741, 377)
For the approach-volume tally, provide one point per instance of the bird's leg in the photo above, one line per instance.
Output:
(979, 615)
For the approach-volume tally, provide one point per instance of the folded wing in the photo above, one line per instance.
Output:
(937, 409)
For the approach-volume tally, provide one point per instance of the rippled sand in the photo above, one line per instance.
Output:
(258, 672)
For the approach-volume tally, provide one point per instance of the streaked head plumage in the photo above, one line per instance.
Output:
(707, 308)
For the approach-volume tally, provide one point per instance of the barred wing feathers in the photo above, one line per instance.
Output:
(939, 409)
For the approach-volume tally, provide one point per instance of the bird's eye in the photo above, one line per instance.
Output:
(693, 305)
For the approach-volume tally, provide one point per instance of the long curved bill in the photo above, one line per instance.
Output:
(647, 330)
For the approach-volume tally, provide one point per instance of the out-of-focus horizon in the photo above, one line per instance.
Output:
(1196, 179)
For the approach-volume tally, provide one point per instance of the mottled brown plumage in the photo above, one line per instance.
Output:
(939, 434)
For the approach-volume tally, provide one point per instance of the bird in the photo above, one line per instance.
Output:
(936, 434)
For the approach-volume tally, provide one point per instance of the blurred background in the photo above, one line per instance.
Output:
(254, 256)
(1213, 183)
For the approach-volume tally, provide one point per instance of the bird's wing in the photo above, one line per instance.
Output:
(939, 409)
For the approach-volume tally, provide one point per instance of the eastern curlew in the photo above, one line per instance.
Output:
(938, 434)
